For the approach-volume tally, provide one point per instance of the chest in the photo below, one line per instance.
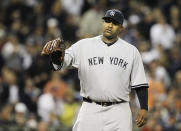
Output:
(102, 56)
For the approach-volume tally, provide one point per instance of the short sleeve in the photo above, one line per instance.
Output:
(138, 77)
(71, 57)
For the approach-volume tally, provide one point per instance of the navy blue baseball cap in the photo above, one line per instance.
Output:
(115, 15)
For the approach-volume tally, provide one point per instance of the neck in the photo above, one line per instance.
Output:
(109, 41)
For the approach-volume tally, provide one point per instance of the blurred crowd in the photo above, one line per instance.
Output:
(32, 97)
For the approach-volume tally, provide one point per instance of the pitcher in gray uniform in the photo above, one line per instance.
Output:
(108, 68)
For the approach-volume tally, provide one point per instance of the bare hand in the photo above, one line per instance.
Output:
(141, 118)
(52, 46)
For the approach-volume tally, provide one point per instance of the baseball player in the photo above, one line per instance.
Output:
(108, 68)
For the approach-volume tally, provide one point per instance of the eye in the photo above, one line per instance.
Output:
(115, 22)
(111, 21)
(107, 20)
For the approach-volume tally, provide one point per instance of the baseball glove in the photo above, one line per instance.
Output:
(55, 49)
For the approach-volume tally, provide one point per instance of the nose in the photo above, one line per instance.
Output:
(110, 24)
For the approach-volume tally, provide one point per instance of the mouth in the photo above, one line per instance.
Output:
(108, 31)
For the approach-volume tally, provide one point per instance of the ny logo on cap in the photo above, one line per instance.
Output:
(112, 13)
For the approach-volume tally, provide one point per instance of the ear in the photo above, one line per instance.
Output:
(121, 27)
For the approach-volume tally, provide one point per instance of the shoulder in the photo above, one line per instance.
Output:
(86, 41)
(127, 45)
(45, 97)
(90, 39)
(155, 28)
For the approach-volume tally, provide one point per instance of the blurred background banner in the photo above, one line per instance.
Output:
(32, 97)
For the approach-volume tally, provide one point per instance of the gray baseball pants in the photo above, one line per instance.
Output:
(93, 117)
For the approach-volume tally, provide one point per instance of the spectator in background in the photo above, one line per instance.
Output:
(6, 116)
(69, 30)
(32, 122)
(162, 33)
(49, 107)
(168, 111)
(73, 7)
(148, 54)
(20, 116)
(157, 89)
(29, 95)
(15, 55)
(178, 112)
(17, 19)
(161, 73)
(59, 13)
(177, 80)
(145, 24)
(4, 92)
(11, 80)
(38, 70)
(57, 83)
(175, 18)
(42, 126)
(70, 108)
(52, 29)
(36, 37)
(2, 41)
(175, 63)
(153, 123)
(16, 9)
(87, 25)
(31, 3)
(38, 19)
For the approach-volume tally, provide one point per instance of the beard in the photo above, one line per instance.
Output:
(109, 36)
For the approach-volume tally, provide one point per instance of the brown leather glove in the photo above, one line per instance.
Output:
(55, 49)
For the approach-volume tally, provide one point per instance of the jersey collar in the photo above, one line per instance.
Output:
(109, 43)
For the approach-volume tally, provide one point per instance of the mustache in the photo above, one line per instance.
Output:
(108, 29)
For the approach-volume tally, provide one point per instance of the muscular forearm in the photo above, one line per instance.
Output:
(142, 94)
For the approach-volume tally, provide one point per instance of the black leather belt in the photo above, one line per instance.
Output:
(102, 103)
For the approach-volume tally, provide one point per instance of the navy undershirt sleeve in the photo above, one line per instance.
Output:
(142, 93)
(55, 59)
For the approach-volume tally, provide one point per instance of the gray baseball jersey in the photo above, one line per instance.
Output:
(106, 73)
